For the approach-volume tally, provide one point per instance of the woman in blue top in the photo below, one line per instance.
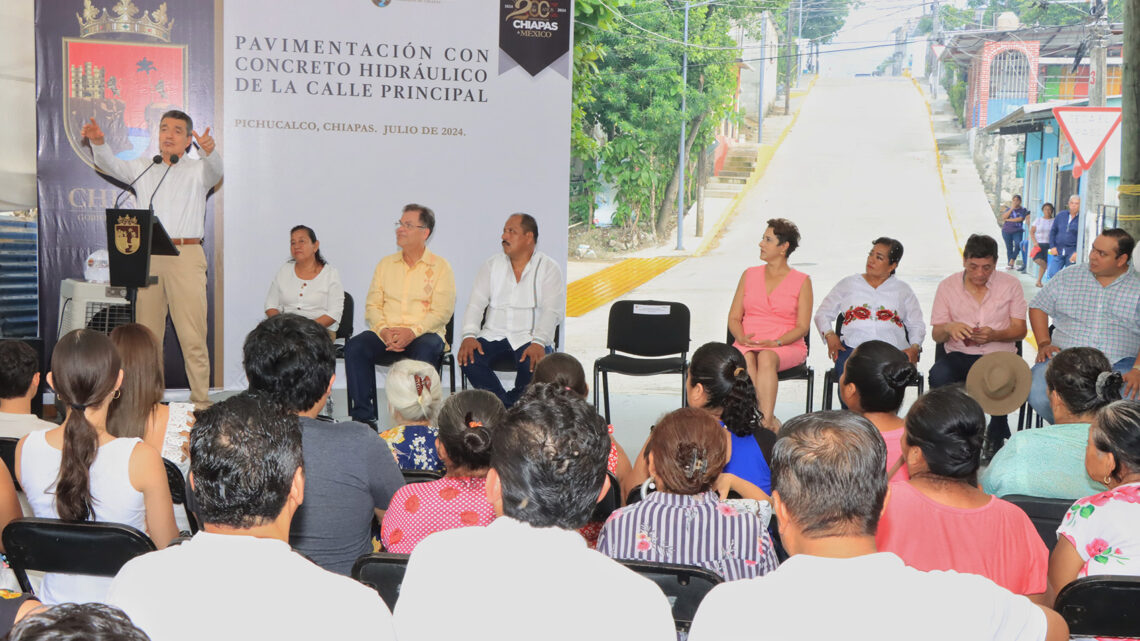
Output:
(718, 382)
(1012, 228)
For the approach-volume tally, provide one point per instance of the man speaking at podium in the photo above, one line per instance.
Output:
(175, 189)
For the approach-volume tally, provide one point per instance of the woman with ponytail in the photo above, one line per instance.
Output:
(1050, 462)
(685, 521)
(414, 394)
(466, 424)
(718, 382)
(80, 472)
(872, 385)
(940, 520)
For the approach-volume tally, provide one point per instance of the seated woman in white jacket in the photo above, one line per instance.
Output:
(307, 285)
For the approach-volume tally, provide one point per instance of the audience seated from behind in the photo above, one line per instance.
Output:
(828, 495)
(719, 383)
(138, 410)
(528, 574)
(940, 520)
(73, 622)
(1050, 462)
(1100, 534)
(238, 578)
(872, 385)
(684, 521)
(563, 370)
(19, 382)
(80, 472)
(466, 429)
(414, 394)
(349, 472)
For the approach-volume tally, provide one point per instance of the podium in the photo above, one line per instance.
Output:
(133, 236)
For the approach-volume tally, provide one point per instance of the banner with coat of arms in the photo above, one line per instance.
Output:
(124, 64)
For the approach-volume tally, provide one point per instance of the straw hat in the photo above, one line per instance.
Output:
(999, 382)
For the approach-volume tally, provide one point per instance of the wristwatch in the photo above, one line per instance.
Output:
(917, 346)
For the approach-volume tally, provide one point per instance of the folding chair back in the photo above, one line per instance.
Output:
(178, 492)
(609, 503)
(685, 586)
(344, 330)
(648, 328)
(1101, 606)
(420, 476)
(52, 545)
(1046, 514)
(382, 572)
(8, 455)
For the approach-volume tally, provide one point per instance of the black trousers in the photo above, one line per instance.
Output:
(952, 369)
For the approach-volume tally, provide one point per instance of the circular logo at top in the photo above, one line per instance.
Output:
(381, 3)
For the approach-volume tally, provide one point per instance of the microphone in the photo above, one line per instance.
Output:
(153, 161)
(173, 161)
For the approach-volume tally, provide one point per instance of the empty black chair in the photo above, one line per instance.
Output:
(1046, 514)
(801, 372)
(685, 586)
(8, 455)
(420, 476)
(1101, 606)
(178, 492)
(382, 572)
(52, 545)
(647, 330)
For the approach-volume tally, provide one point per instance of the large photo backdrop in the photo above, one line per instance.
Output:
(338, 113)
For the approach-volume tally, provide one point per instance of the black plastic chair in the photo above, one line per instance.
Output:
(446, 358)
(178, 492)
(344, 330)
(8, 455)
(648, 330)
(382, 572)
(609, 503)
(1101, 606)
(801, 372)
(1046, 514)
(685, 586)
(420, 476)
(506, 362)
(52, 545)
(831, 377)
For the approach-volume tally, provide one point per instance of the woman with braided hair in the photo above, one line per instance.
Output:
(80, 472)
(466, 424)
(414, 394)
(718, 382)
(1050, 461)
(685, 521)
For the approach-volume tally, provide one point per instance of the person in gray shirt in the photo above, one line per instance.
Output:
(350, 473)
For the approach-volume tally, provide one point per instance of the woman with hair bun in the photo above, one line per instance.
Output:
(684, 521)
(414, 394)
(718, 383)
(1050, 461)
(940, 520)
(80, 472)
(306, 284)
(466, 424)
(771, 314)
(872, 385)
(1100, 534)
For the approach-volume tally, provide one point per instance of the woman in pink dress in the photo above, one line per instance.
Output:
(771, 314)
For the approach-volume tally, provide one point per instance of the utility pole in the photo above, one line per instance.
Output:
(681, 154)
(1097, 90)
(799, 36)
(1130, 102)
(936, 36)
(788, 63)
(764, 18)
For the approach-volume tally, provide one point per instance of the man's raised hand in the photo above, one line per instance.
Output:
(205, 141)
(92, 132)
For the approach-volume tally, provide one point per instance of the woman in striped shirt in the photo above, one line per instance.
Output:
(684, 521)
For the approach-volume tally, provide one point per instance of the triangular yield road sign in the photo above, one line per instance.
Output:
(1087, 129)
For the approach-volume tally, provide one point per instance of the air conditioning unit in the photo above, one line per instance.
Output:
(96, 306)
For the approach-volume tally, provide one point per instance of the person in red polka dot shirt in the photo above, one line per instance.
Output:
(459, 499)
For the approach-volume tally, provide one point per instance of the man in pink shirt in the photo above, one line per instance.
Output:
(976, 312)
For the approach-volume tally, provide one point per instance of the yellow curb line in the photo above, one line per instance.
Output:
(1029, 337)
(763, 157)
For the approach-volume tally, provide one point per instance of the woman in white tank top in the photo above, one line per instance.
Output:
(79, 472)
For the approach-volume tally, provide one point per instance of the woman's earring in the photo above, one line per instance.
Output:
(117, 394)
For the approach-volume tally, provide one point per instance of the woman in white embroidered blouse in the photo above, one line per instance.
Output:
(875, 305)
(307, 285)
